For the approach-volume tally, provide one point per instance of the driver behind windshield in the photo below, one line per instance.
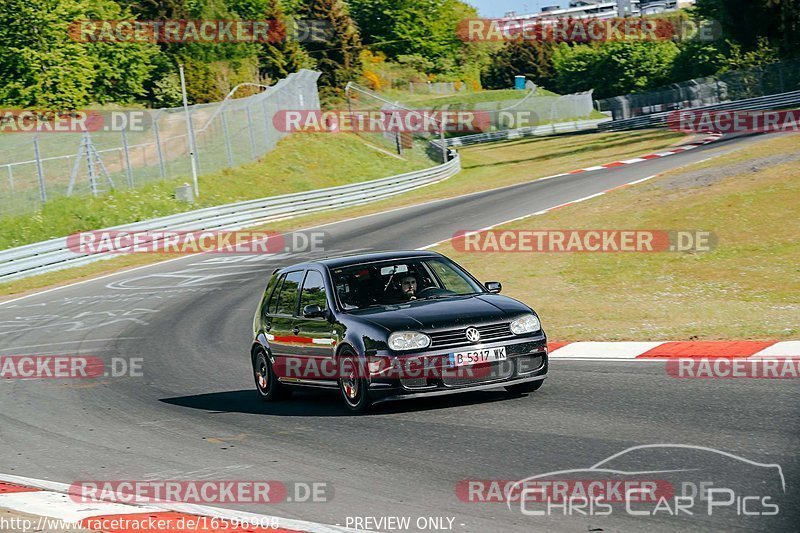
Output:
(408, 287)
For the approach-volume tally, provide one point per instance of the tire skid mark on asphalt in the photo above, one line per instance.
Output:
(13, 348)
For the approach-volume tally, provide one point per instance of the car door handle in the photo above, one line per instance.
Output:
(296, 330)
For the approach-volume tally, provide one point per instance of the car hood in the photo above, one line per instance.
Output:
(447, 313)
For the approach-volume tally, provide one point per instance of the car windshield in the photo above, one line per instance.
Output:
(400, 281)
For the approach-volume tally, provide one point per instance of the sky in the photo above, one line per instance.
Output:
(498, 8)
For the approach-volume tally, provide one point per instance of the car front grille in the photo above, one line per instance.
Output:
(414, 383)
(453, 338)
(485, 373)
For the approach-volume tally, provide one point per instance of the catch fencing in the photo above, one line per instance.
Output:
(537, 131)
(527, 116)
(35, 169)
(790, 100)
(536, 109)
(55, 254)
(410, 143)
(747, 84)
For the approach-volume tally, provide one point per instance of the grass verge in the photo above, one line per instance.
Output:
(484, 167)
(299, 163)
(746, 288)
(435, 100)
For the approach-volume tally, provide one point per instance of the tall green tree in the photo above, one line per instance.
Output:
(745, 21)
(41, 65)
(212, 69)
(532, 59)
(412, 27)
(283, 54)
(336, 52)
(613, 68)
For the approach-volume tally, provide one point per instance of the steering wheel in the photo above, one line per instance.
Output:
(421, 294)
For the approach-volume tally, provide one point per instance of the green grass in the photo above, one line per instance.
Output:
(484, 167)
(299, 163)
(434, 100)
(746, 288)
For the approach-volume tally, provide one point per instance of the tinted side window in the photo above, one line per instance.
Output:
(313, 291)
(287, 301)
(273, 301)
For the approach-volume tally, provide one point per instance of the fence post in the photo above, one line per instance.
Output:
(194, 140)
(128, 171)
(226, 134)
(39, 170)
(189, 132)
(252, 135)
(266, 121)
(161, 168)
(90, 165)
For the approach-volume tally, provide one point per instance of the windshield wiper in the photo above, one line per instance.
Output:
(441, 296)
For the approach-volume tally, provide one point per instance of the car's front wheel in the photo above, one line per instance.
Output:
(524, 388)
(267, 384)
(353, 386)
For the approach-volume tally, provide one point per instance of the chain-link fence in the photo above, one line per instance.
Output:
(37, 168)
(730, 86)
(530, 111)
(405, 143)
(535, 109)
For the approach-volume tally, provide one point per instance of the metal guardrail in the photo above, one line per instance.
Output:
(656, 120)
(505, 135)
(54, 254)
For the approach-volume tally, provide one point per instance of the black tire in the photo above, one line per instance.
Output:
(525, 388)
(354, 387)
(267, 385)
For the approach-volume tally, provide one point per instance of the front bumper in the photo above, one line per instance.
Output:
(527, 361)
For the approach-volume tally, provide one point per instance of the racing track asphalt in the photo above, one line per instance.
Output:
(194, 414)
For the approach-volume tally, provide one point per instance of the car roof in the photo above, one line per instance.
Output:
(347, 260)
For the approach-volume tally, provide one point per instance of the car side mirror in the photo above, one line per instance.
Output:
(314, 311)
(493, 286)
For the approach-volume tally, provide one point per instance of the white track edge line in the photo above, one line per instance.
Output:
(283, 523)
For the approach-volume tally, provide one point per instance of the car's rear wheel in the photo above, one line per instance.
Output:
(353, 386)
(524, 388)
(267, 384)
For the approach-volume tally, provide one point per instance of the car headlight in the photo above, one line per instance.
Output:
(525, 324)
(408, 340)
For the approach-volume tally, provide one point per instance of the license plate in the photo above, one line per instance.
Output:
(475, 357)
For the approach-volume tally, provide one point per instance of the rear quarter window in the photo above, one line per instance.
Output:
(286, 302)
(273, 300)
(268, 294)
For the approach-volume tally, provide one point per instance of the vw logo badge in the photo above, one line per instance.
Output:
(473, 335)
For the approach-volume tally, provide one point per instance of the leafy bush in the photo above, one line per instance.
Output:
(613, 68)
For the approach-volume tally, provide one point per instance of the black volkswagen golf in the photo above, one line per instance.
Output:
(387, 326)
